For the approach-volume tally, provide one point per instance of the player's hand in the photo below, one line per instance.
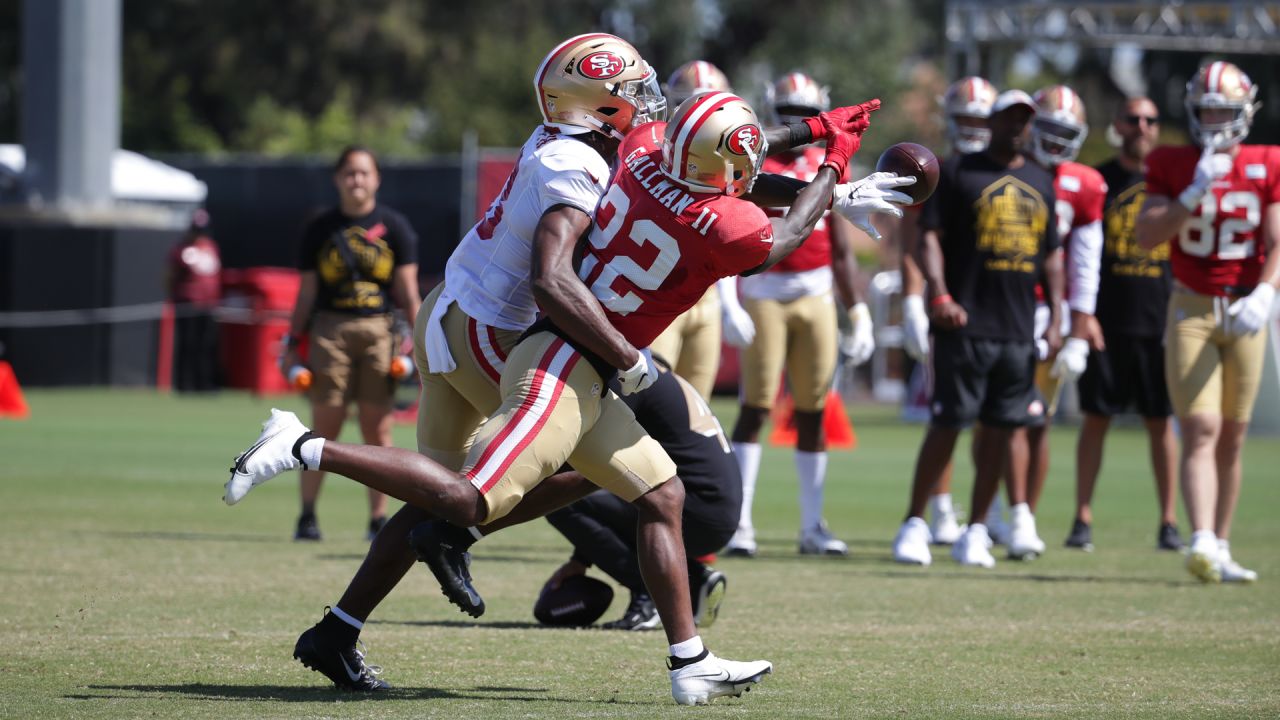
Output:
(1053, 338)
(638, 376)
(1071, 360)
(1091, 331)
(1250, 313)
(739, 329)
(859, 200)
(915, 328)
(1211, 166)
(859, 344)
(853, 119)
(288, 360)
(948, 315)
(562, 573)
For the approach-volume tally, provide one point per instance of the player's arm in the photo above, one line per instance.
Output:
(772, 190)
(1162, 216)
(404, 290)
(303, 307)
(1084, 267)
(1054, 282)
(945, 312)
(1271, 241)
(791, 230)
(1159, 219)
(844, 266)
(563, 297)
(793, 135)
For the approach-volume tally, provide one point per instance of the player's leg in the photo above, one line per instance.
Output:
(1089, 446)
(669, 345)
(1242, 361)
(331, 368)
(1101, 397)
(1012, 403)
(700, 358)
(811, 365)
(761, 370)
(370, 348)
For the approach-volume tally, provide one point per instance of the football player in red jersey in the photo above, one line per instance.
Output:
(794, 315)
(1218, 204)
(670, 225)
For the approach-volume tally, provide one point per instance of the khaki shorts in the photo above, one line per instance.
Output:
(552, 412)
(799, 333)
(451, 406)
(351, 359)
(1210, 372)
(692, 344)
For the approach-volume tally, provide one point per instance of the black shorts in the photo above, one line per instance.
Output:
(984, 379)
(1130, 372)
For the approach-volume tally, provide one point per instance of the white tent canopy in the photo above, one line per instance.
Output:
(134, 177)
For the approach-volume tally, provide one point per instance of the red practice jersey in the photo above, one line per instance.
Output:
(1081, 193)
(1219, 250)
(655, 247)
(816, 250)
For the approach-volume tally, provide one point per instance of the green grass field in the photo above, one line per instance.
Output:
(130, 590)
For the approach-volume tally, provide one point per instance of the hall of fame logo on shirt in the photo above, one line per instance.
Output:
(1011, 221)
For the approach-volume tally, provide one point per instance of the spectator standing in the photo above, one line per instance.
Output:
(195, 287)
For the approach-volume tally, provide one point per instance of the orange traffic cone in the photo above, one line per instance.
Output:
(835, 421)
(12, 403)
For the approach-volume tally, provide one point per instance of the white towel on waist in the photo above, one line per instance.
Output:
(439, 359)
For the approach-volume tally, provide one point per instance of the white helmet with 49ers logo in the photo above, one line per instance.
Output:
(692, 78)
(1221, 85)
(1059, 127)
(969, 97)
(714, 143)
(597, 82)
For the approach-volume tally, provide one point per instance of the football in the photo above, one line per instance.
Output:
(579, 601)
(915, 160)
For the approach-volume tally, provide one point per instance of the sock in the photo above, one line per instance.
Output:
(308, 509)
(749, 465)
(461, 539)
(940, 506)
(995, 516)
(811, 467)
(475, 532)
(688, 649)
(340, 626)
(308, 449)
(1204, 541)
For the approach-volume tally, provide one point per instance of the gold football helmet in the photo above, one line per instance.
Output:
(795, 96)
(1059, 127)
(1221, 85)
(714, 144)
(692, 78)
(597, 82)
(969, 97)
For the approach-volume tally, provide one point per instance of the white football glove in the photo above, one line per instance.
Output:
(860, 199)
(1212, 166)
(640, 376)
(859, 344)
(1071, 360)
(915, 328)
(1250, 313)
(736, 324)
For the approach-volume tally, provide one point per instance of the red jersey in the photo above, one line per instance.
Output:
(655, 247)
(196, 272)
(1081, 194)
(816, 250)
(1219, 250)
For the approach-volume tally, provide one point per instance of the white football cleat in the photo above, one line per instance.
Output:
(819, 541)
(1230, 569)
(911, 546)
(269, 456)
(1204, 560)
(974, 547)
(1024, 541)
(742, 544)
(945, 529)
(712, 677)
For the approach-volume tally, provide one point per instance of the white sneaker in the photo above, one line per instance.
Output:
(974, 547)
(742, 544)
(712, 677)
(997, 528)
(269, 456)
(1203, 561)
(1024, 541)
(911, 546)
(819, 541)
(1230, 569)
(945, 529)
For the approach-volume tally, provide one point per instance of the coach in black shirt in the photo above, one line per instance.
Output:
(989, 238)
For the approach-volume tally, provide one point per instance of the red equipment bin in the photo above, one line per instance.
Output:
(257, 303)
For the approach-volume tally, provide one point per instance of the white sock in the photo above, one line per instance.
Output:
(940, 506)
(1204, 540)
(344, 617)
(310, 452)
(748, 455)
(475, 533)
(688, 648)
(811, 467)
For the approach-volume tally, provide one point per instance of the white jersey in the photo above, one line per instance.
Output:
(488, 273)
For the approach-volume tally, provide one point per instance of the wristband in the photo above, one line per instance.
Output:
(941, 300)
(800, 133)
(817, 130)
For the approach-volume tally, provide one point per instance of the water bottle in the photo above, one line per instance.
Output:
(299, 377)
(401, 368)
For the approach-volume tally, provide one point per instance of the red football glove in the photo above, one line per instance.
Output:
(840, 148)
(851, 119)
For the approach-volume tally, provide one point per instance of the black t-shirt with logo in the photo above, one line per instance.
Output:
(1133, 291)
(378, 242)
(997, 225)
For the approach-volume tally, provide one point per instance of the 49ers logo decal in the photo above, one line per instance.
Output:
(601, 65)
(743, 139)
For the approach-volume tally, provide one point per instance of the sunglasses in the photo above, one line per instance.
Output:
(1135, 119)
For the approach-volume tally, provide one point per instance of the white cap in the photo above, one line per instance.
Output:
(1009, 98)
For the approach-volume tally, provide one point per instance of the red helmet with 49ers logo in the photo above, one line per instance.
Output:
(597, 82)
(714, 143)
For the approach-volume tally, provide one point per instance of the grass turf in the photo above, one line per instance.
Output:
(131, 591)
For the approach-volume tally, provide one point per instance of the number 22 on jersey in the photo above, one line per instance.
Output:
(611, 217)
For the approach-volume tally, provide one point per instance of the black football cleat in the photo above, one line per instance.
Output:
(1081, 536)
(1167, 538)
(345, 666)
(375, 527)
(450, 564)
(641, 614)
(308, 529)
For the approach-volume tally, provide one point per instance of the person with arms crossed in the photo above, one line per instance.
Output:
(1126, 367)
(1217, 203)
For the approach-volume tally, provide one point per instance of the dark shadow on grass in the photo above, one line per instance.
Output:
(498, 625)
(192, 536)
(987, 575)
(289, 693)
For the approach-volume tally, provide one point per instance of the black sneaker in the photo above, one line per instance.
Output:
(1081, 536)
(641, 614)
(308, 529)
(375, 526)
(436, 544)
(345, 666)
(708, 596)
(1167, 538)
